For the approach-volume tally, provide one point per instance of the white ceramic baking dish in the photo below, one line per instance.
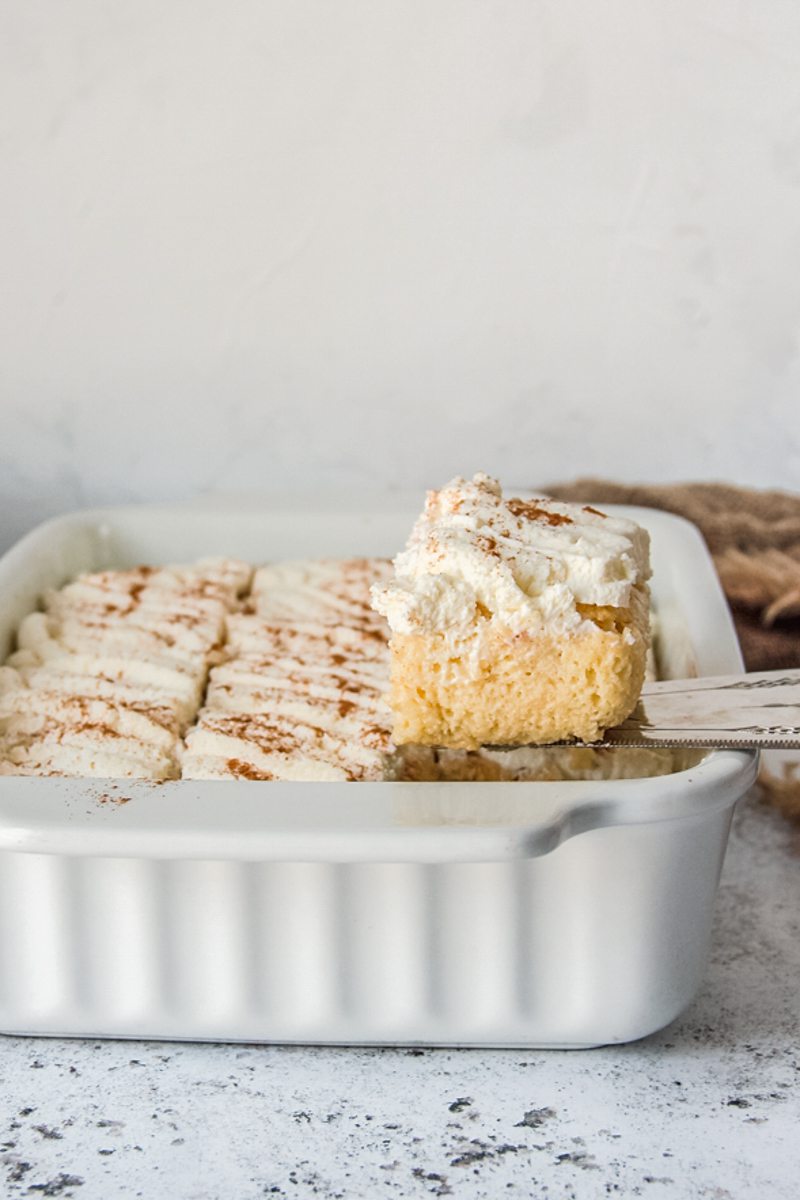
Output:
(522, 914)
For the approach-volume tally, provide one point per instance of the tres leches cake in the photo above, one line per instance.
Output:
(514, 622)
(107, 678)
(300, 693)
(212, 671)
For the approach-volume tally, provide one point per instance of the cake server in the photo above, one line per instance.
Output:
(757, 711)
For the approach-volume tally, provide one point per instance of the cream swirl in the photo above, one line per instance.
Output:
(104, 681)
(300, 693)
(525, 564)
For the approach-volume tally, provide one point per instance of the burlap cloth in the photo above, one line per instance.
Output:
(754, 538)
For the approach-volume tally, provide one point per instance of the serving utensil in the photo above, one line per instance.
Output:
(756, 711)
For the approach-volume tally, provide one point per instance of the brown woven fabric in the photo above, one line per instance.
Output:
(754, 538)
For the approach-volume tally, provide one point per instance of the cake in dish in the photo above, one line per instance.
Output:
(106, 679)
(213, 672)
(299, 695)
(513, 621)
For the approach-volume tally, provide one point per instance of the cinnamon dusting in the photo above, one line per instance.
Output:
(244, 770)
(531, 511)
(488, 545)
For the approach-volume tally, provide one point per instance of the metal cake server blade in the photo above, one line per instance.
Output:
(757, 711)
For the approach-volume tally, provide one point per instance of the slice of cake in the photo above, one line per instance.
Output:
(299, 695)
(514, 622)
(107, 677)
(293, 700)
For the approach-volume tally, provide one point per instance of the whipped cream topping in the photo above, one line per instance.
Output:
(330, 590)
(524, 564)
(106, 678)
(45, 732)
(300, 693)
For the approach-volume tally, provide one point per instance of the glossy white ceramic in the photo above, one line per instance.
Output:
(524, 914)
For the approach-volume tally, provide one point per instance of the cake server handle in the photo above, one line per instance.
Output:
(756, 711)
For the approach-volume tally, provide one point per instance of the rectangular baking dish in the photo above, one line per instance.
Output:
(495, 914)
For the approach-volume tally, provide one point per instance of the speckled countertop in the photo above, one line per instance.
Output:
(710, 1107)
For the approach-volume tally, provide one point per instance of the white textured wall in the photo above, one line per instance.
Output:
(252, 243)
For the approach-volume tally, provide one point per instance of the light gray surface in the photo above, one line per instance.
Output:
(708, 1108)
